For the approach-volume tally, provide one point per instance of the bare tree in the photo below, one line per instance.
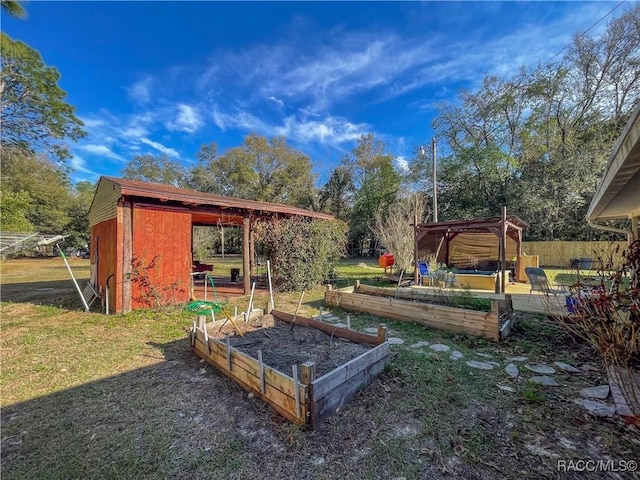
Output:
(393, 227)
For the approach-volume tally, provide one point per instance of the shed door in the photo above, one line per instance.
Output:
(161, 255)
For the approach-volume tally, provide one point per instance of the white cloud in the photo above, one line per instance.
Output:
(93, 122)
(187, 119)
(101, 150)
(402, 163)
(161, 148)
(329, 130)
(140, 91)
(276, 100)
(78, 164)
(134, 132)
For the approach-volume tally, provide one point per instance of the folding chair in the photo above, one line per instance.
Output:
(423, 272)
(540, 283)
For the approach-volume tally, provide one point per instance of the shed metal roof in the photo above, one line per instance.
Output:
(196, 199)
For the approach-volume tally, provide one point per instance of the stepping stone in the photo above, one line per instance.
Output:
(439, 347)
(456, 355)
(395, 341)
(340, 325)
(420, 344)
(598, 409)
(506, 389)
(496, 364)
(484, 355)
(601, 392)
(512, 370)
(544, 380)
(566, 367)
(330, 319)
(589, 368)
(516, 359)
(541, 368)
(371, 330)
(479, 365)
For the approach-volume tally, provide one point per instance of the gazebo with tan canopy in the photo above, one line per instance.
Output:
(477, 244)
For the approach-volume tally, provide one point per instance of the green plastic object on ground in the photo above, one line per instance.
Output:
(203, 307)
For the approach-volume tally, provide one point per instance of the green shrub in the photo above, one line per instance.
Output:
(302, 252)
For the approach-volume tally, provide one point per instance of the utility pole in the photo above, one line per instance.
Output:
(435, 184)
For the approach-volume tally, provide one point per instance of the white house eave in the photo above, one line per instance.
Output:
(618, 195)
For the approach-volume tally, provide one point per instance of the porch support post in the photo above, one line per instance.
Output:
(127, 255)
(246, 268)
(415, 249)
(252, 253)
(518, 255)
(503, 247)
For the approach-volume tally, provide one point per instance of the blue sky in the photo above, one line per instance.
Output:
(166, 77)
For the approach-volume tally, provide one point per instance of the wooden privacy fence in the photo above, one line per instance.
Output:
(300, 398)
(560, 253)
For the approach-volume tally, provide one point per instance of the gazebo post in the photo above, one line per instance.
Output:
(252, 253)
(503, 247)
(415, 249)
(246, 269)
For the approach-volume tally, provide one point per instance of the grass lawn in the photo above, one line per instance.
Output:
(90, 396)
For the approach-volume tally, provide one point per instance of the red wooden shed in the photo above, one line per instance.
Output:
(141, 237)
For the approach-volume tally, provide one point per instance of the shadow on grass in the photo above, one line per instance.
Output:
(172, 419)
(57, 293)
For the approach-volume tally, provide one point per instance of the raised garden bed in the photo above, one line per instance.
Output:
(420, 308)
(328, 365)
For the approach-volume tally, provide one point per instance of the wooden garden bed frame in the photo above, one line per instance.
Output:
(300, 398)
(493, 325)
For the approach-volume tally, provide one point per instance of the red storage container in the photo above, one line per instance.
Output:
(386, 260)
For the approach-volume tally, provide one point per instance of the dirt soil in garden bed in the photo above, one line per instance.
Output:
(283, 346)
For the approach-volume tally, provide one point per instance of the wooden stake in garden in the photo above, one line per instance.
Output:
(270, 286)
(295, 315)
(250, 307)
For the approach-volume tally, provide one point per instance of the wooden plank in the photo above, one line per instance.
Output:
(406, 293)
(307, 372)
(272, 377)
(296, 384)
(326, 383)
(330, 329)
(349, 289)
(283, 403)
(390, 306)
(321, 408)
(436, 316)
(261, 371)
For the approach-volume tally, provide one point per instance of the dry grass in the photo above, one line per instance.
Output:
(89, 396)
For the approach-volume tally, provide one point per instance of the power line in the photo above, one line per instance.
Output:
(580, 36)
(526, 77)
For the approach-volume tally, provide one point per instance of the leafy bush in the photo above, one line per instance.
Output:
(303, 252)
